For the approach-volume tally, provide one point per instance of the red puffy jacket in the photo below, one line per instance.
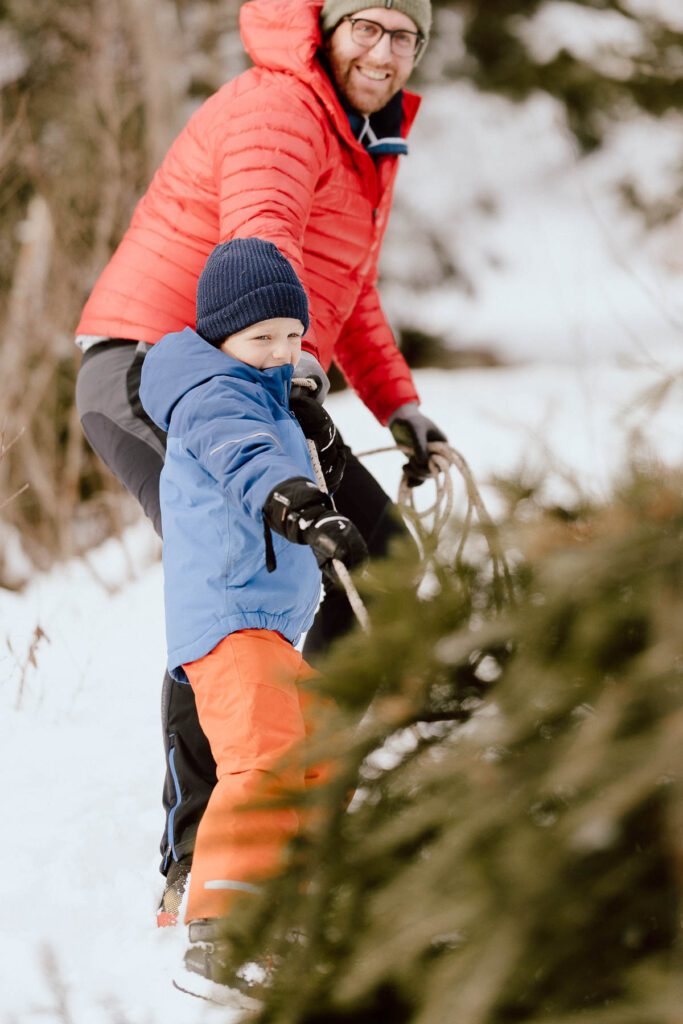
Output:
(269, 155)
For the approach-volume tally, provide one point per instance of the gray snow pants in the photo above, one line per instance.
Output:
(133, 447)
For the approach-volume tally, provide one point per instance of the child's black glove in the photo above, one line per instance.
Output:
(319, 428)
(303, 514)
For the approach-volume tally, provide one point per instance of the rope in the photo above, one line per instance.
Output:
(304, 382)
(442, 459)
(355, 600)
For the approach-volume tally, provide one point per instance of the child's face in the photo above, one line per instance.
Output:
(268, 343)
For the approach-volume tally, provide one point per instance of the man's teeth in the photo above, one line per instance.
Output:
(377, 76)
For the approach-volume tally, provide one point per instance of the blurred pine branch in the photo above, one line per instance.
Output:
(514, 849)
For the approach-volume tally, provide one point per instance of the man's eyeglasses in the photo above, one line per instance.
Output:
(367, 34)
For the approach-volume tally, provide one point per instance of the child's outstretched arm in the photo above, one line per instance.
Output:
(302, 513)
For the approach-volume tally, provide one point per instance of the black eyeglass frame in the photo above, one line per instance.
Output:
(391, 32)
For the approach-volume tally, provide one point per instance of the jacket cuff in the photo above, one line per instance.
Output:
(402, 410)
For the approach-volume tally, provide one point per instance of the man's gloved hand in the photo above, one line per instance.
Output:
(319, 428)
(304, 514)
(308, 366)
(412, 429)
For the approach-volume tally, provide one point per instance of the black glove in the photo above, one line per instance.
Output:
(299, 511)
(319, 428)
(412, 429)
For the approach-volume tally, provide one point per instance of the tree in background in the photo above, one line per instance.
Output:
(91, 93)
(603, 59)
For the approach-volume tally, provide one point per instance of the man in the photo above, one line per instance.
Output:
(302, 151)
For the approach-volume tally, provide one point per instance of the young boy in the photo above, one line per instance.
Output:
(246, 532)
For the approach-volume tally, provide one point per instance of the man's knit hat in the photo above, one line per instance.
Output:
(243, 282)
(334, 10)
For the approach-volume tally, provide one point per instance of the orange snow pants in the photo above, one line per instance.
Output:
(255, 718)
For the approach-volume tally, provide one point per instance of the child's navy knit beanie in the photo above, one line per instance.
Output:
(244, 281)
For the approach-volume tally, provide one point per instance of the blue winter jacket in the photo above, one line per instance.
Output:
(231, 440)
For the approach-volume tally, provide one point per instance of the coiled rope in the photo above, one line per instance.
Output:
(428, 523)
(443, 458)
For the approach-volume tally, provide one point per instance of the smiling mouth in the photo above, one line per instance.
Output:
(372, 75)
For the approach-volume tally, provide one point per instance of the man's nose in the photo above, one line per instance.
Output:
(381, 51)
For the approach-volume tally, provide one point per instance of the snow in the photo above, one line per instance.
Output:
(669, 12)
(587, 312)
(80, 734)
(589, 35)
(558, 265)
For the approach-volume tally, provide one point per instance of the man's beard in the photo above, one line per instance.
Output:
(364, 95)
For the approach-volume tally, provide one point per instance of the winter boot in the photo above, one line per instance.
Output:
(210, 970)
(174, 890)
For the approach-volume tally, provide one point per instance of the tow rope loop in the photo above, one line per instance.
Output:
(442, 459)
(429, 523)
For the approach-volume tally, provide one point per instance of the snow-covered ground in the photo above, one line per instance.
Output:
(588, 313)
(80, 748)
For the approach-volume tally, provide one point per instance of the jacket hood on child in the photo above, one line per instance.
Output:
(231, 440)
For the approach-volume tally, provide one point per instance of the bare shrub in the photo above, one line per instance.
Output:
(91, 94)
(70, 177)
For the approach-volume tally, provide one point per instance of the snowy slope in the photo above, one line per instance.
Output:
(568, 290)
(80, 748)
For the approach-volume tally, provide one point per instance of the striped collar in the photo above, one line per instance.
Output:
(379, 133)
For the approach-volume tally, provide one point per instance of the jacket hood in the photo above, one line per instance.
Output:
(283, 35)
(182, 361)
